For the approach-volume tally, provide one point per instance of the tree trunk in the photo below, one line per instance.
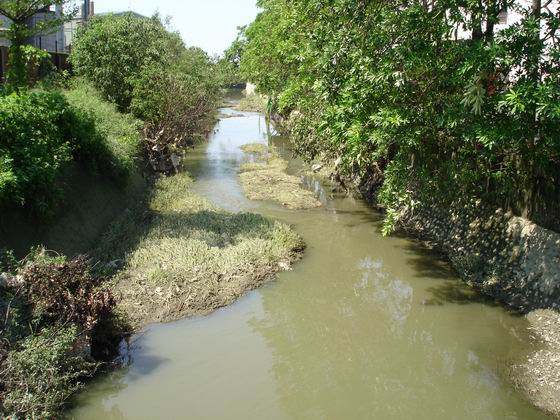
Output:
(17, 70)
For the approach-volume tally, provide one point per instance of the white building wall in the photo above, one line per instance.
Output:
(511, 17)
(4, 24)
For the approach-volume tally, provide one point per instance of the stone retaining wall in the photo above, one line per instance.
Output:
(505, 256)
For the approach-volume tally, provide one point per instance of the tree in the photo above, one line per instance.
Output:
(19, 12)
(429, 100)
(112, 50)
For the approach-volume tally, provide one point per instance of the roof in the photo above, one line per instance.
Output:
(124, 13)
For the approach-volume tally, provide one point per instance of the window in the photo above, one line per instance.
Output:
(503, 17)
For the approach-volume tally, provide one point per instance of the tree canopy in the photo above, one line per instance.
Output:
(433, 99)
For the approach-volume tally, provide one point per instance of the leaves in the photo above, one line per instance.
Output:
(433, 97)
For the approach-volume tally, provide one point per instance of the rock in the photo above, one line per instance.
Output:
(4, 279)
(175, 161)
(317, 167)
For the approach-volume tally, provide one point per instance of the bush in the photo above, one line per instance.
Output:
(51, 308)
(42, 373)
(111, 50)
(176, 102)
(148, 71)
(41, 134)
(65, 293)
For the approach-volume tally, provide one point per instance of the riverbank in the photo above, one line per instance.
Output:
(538, 378)
(183, 257)
(304, 344)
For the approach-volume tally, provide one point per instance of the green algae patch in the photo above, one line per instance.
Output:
(194, 258)
(265, 179)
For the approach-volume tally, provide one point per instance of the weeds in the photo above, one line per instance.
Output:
(50, 308)
(252, 103)
(266, 179)
(195, 258)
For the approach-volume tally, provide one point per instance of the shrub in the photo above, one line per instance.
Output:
(35, 147)
(42, 373)
(65, 293)
(111, 50)
(50, 311)
(41, 134)
(148, 71)
(176, 102)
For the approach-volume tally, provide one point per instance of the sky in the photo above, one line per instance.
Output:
(209, 24)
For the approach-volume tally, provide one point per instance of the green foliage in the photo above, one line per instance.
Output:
(19, 12)
(231, 60)
(50, 309)
(37, 62)
(176, 102)
(43, 373)
(42, 133)
(121, 132)
(148, 71)
(391, 92)
(36, 146)
(111, 50)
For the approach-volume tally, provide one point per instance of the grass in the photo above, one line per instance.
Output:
(252, 103)
(266, 179)
(194, 258)
(122, 131)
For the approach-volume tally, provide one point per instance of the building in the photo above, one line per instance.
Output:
(511, 17)
(85, 12)
(57, 42)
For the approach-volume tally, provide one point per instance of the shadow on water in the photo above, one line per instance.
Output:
(457, 293)
(430, 263)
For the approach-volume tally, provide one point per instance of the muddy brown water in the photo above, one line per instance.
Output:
(364, 327)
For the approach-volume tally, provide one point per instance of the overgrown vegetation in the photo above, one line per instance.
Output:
(50, 309)
(57, 316)
(231, 60)
(120, 131)
(252, 103)
(149, 72)
(41, 133)
(192, 258)
(433, 99)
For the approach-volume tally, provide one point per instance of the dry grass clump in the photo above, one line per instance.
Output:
(195, 258)
(266, 179)
(252, 103)
(256, 149)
